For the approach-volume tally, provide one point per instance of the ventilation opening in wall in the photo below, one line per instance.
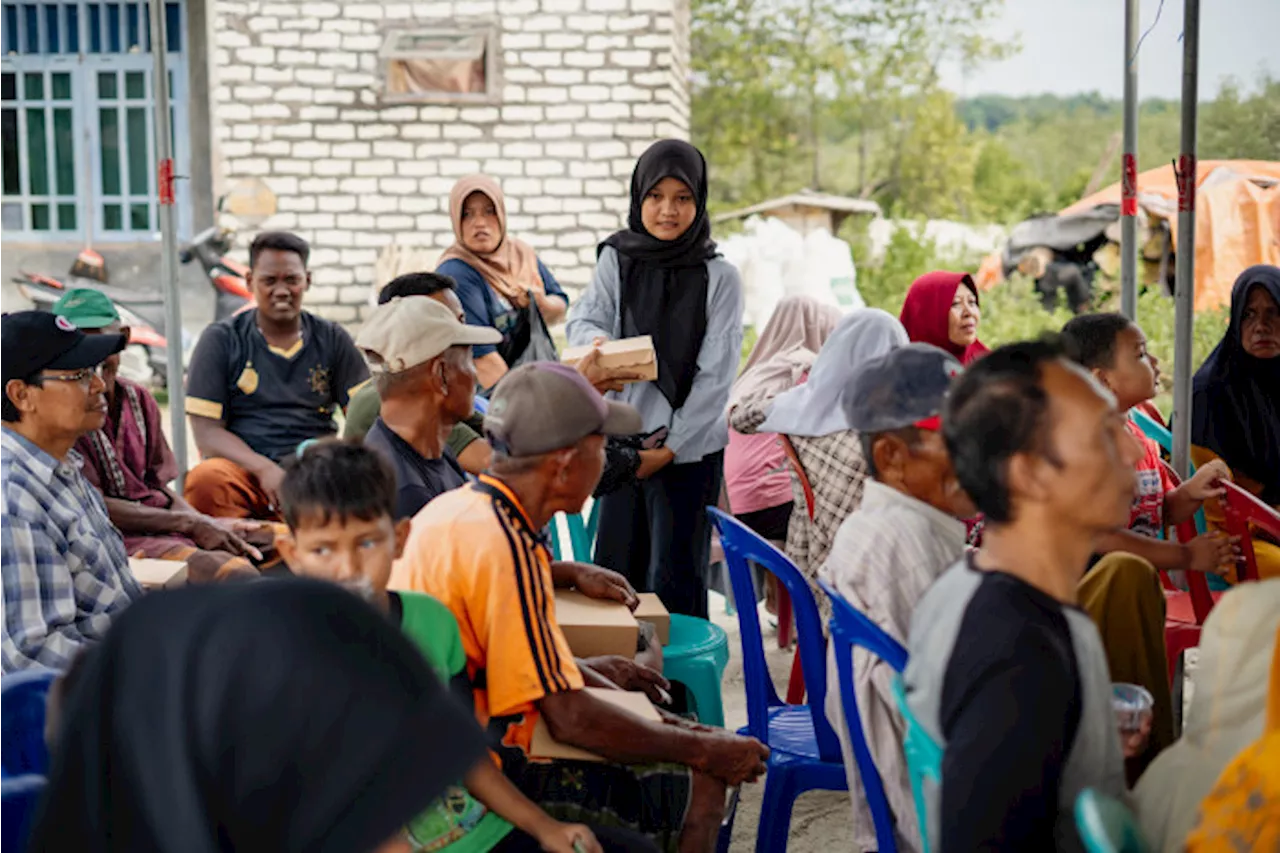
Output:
(440, 64)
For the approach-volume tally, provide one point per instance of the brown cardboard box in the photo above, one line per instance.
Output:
(596, 627)
(635, 355)
(545, 746)
(158, 574)
(652, 609)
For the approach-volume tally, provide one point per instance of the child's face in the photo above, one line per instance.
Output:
(1133, 373)
(668, 210)
(351, 552)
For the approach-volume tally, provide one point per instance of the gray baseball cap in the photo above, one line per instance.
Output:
(904, 388)
(546, 406)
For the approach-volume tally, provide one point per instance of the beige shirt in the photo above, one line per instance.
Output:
(886, 554)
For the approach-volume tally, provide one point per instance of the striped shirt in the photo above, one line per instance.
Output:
(66, 572)
(475, 550)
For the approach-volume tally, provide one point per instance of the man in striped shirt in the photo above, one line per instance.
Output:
(66, 572)
(478, 549)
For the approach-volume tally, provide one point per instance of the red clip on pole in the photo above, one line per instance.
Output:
(166, 181)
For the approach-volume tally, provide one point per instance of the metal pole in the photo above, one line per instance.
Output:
(168, 237)
(1185, 281)
(1129, 168)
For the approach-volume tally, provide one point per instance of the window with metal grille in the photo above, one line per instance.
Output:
(76, 115)
(437, 64)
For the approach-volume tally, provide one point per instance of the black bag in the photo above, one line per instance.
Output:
(529, 339)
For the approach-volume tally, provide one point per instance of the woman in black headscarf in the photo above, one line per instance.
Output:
(1235, 401)
(278, 716)
(662, 277)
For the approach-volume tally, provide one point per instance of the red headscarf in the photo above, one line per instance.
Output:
(926, 310)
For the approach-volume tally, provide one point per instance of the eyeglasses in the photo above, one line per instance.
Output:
(84, 376)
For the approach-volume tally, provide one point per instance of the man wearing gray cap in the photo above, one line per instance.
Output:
(419, 355)
(66, 572)
(889, 550)
(479, 550)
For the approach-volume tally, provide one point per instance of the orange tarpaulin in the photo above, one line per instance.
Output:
(1237, 218)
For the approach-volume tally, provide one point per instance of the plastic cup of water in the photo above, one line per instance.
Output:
(1133, 704)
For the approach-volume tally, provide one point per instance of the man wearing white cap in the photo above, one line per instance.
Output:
(420, 358)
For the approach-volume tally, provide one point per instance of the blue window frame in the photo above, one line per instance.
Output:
(77, 120)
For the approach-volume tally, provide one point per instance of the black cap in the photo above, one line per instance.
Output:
(904, 388)
(32, 341)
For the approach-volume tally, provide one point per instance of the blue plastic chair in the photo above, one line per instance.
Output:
(696, 656)
(1106, 825)
(805, 752)
(19, 799)
(849, 628)
(22, 703)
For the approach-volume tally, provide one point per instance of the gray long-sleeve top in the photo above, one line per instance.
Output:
(699, 427)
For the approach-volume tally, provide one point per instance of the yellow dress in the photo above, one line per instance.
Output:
(1242, 813)
(1267, 554)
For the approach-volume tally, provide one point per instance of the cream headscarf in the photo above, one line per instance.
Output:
(512, 268)
(799, 323)
(1228, 706)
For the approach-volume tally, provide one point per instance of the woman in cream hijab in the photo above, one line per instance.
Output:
(1228, 706)
(497, 274)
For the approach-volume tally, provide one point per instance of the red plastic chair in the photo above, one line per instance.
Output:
(1244, 512)
(1185, 611)
(795, 688)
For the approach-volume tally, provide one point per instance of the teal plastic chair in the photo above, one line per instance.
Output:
(696, 657)
(924, 757)
(1106, 825)
(582, 533)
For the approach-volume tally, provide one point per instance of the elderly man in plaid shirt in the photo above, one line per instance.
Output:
(66, 572)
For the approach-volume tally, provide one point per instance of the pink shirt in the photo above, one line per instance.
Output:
(756, 475)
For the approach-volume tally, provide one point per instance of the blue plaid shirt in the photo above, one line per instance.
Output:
(66, 572)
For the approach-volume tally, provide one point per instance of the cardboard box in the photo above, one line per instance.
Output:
(158, 574)
(544, 745)
(634, 355)
(596, 627)
(652, 609)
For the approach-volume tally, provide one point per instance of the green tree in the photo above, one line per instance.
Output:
(1238, 126)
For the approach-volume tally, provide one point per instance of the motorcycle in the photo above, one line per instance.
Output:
(145, 360)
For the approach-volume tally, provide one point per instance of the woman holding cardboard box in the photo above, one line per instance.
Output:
(662, 277)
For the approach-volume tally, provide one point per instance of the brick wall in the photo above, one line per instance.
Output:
(586, 86)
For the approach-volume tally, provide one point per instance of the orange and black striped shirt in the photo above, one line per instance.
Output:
(475, 550)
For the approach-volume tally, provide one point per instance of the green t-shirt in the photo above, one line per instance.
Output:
(363, 410)
(457, 822)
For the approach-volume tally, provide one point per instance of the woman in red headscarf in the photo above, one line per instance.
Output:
(939, 311)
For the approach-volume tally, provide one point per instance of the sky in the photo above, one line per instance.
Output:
(1071, 46)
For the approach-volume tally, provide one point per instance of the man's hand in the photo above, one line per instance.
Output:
(1207, 483)
(1134, 743)
(270, 476)
(256, 533)
(632, 676)
(653, 461)
(559, 837)
(604, 379)
(209, 535)
(734, 759)
(603, 584)
(1213, 552)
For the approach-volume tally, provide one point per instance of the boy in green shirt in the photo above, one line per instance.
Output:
(339, 503)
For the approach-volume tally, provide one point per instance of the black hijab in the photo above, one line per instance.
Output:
(1236, 397)
(664, 283)
(278, 716)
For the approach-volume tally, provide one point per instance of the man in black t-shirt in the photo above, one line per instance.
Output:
(1007, 672)
(421, 359)
(262, 382)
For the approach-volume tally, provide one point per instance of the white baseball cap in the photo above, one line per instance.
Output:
(412, 330)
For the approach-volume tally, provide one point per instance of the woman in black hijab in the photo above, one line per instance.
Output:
(278, 716)
(662, 277)
(1235, 401)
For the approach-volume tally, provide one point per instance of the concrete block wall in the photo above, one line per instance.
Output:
(585, 87)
